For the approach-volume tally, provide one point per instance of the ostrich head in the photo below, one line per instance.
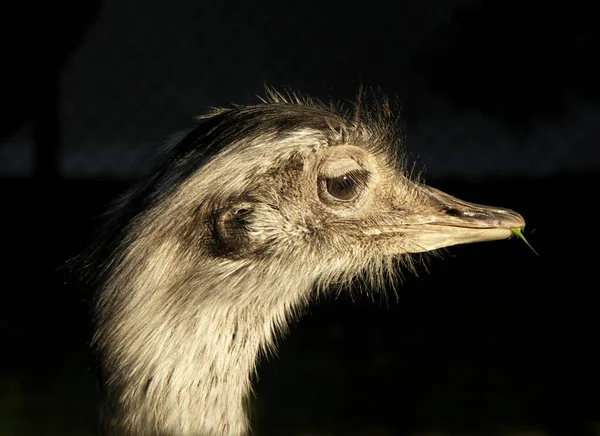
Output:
(243, 218)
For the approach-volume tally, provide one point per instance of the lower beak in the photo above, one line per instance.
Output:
(450, 221)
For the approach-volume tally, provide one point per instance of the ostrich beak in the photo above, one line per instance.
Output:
(443, 221)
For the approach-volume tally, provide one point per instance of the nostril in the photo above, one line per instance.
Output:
(453, 212)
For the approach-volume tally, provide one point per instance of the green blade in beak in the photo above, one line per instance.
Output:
(517, 232)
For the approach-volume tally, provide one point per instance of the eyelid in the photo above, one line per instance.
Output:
(340, 167)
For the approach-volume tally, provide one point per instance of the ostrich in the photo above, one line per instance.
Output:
(245, 217)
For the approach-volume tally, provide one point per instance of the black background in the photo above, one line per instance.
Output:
(488, 338)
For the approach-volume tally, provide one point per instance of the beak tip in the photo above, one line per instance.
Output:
(519, 220)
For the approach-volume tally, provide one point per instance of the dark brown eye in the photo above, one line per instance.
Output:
(342, 188)
(346, 187)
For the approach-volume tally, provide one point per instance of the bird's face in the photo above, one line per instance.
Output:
(349, 204)
(384, 211)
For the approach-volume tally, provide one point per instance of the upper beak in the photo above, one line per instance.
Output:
(444, 221)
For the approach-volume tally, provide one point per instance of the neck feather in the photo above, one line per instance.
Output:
(180, 347)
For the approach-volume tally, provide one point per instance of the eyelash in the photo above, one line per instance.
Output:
(361, 178)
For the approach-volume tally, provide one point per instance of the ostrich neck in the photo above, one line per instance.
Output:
(189, 374)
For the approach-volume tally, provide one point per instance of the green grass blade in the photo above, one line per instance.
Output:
(517, 232)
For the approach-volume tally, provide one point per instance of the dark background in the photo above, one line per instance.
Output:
(501, 105)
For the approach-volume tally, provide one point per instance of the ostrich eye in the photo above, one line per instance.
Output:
(342, 188)
(346, 187)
